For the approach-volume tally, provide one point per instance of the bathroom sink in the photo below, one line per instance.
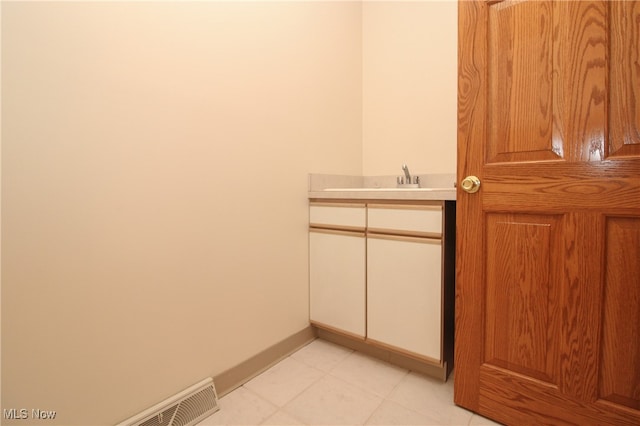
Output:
(428, 187)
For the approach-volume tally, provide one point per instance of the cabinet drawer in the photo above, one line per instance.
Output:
(340, 216)
(414, 219)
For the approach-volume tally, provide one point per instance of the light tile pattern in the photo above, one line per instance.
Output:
(326, 384)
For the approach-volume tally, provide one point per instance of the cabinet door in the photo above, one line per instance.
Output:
(337, 280)
(404, 294)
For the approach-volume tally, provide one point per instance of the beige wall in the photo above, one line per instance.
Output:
(154, 172)
(409, 86)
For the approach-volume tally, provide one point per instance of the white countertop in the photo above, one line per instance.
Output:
(336, 187)
(375, 194)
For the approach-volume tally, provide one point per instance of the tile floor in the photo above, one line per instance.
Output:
(327, 384)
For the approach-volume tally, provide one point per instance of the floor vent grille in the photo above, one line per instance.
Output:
(184, 409)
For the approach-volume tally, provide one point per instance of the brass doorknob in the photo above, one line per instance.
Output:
(471, 184)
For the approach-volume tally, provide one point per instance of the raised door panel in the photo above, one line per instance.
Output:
(624, 86)
(337, 281)
(522, 318)
(619, 381)
(404, 294)
(580, 47)
(520, 90)
(550, 103)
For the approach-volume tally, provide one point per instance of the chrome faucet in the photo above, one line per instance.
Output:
(407, 181)
(407, 175)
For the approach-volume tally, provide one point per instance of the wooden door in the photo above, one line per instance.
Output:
(548, 250)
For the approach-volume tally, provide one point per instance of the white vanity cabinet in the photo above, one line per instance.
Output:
(404, 278)
(337, 267)
(382, 279)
